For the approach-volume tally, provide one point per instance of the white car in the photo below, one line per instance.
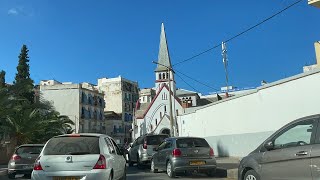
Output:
(80, 157)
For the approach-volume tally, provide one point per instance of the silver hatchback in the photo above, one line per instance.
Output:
(80, 157)
(181, 154)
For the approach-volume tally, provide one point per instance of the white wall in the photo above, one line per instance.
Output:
(65, 101)
(242, 123)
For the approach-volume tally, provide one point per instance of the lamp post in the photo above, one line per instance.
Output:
(170, 99)
(76, 122)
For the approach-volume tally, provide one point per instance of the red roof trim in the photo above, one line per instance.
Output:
(164, 85)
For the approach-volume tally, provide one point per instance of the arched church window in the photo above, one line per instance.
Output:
(164, 76)
(167, 75)
(159, 76)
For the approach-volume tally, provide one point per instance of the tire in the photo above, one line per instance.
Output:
(153, 169)
(139, 164)
(170, 171)
(12, 176)
(129, 161)
(251, 175)
(211, 173)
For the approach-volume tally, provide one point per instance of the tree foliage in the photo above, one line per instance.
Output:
(21, 118)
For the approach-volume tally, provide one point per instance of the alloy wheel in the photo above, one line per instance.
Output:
(251, 177)
(169, 169)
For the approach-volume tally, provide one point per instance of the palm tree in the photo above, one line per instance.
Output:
(33, 123)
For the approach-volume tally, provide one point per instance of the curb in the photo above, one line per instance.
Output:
(232, 173)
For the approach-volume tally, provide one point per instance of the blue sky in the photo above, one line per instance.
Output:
(81, 41)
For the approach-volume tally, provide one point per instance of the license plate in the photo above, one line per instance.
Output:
(66, 178)
(197, 163)
(28, 167)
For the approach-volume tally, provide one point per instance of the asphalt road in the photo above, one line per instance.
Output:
(133, 173)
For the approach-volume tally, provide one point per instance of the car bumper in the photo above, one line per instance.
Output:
(145, 158)
(180, 164)
(96, 174)
(20, 168)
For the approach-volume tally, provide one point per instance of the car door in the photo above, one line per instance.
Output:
(113, 157)
(164, 153)
(119, 159)
(315, 155)
(134, 150)
(290, 157)
(156, 156)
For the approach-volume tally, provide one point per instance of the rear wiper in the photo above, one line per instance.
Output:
(78, 153)
(34, 153)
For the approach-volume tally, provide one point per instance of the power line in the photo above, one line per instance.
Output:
(187, 83)
(241, 33)
(197, 81)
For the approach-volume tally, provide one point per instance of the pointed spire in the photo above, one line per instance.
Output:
(163, 57)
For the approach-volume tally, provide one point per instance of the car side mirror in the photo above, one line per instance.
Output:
(269, 145)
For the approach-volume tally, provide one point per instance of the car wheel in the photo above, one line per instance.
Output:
(251, 175)
(153, 167)
(170, 171)
(129, 161)
(139, 164)
(211, 172)
(12, 176)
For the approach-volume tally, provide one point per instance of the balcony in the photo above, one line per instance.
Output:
(315, 3)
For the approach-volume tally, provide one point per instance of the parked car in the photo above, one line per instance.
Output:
(23, 159)
(292, 152)
(80, 156)
(181, 154)
(142, 148)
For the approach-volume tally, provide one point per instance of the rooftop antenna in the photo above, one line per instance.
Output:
(225, 63)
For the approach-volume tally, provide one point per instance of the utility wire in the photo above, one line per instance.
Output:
(187, 83)
(197, 81)
(241, 33)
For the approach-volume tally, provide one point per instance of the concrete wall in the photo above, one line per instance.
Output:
(239, 124)
(66, 101)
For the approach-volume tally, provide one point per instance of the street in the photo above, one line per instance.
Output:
(133, 173)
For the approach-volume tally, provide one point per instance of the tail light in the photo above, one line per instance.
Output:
(37, 166)
(211, 152)
(145, 144)
(101, 163)
(15, 157)
(176, 153)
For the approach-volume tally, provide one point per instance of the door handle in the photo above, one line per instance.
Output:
(301, 153)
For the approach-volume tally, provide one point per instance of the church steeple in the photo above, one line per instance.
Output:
(161, 72)
(163, 57)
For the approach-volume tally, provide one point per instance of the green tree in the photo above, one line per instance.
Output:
(2, 79)
(33, 123)
(23, 84)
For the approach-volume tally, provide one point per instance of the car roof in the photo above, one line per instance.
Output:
(24, 145)
(83, 134)
(186, 137)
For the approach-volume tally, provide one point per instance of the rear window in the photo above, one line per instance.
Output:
(77, 145)
(156, 140)
(29, 150)
(191, 142)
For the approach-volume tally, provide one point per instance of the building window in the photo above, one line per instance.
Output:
(159, 76)
(156, 121)
(165, 108)
(83, 112)
(167, 75)
(163, 76)
(160, 115)
(143, 99)
(177, 112)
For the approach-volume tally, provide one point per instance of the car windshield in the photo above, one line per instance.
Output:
(156, 140)
(29, 150)
(191, 142)
(72, 145)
